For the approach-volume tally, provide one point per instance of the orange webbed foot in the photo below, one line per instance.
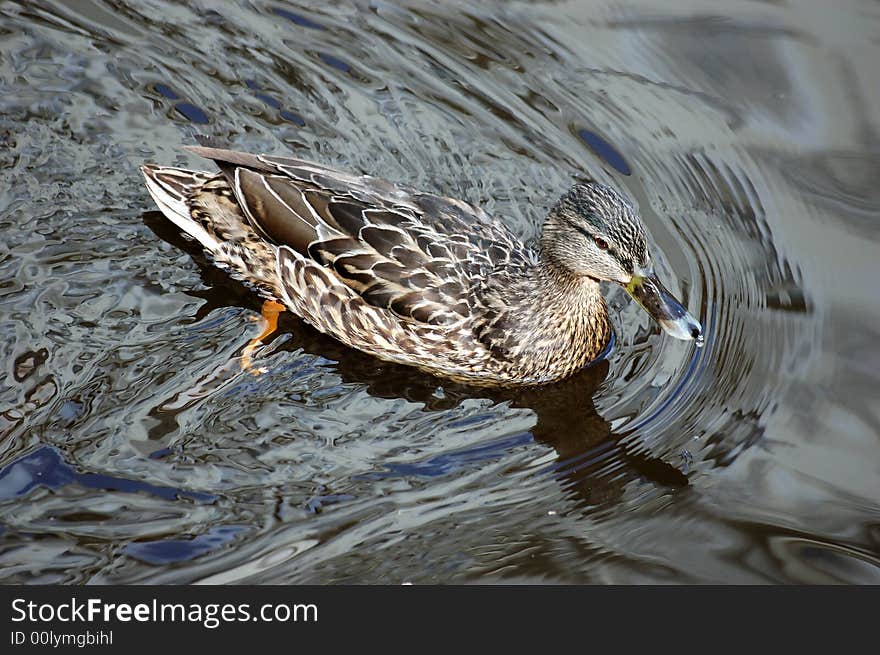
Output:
(269, 313)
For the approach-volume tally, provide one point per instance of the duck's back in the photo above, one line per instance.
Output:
(383, 268)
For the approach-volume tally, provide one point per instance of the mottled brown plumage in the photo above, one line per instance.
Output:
(411, 277)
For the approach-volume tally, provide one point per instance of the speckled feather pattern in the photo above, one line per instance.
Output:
(409, 277)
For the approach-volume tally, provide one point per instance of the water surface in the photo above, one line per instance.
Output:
(133, 449)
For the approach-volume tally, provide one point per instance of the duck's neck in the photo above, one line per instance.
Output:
(574, 310)
(556, 321)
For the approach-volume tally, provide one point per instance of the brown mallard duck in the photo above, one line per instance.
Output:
(416, 278)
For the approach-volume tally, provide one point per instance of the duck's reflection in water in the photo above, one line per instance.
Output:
(593, 463)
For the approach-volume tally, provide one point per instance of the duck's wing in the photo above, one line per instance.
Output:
(417, 255)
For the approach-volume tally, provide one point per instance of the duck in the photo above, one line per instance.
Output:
(417, 278)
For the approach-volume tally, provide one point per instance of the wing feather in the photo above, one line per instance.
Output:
(412, 254)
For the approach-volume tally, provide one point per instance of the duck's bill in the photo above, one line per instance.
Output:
(664, 308)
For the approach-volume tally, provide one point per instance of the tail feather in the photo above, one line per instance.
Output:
(170, 188)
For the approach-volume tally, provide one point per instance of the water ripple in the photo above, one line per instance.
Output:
(147, 455)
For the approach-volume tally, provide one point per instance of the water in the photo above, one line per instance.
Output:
(134, 450)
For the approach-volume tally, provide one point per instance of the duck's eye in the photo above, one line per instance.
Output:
(601, 244)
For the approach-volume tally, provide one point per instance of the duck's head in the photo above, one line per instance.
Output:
(592, 231)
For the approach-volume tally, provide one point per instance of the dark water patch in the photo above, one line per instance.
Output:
(46, 468)
(297, 18)
(191, 112)
(166, 91)
(605, 151)
(269, 100)
(335, 62)
(275, 104)
(452, 462)
(160, 453)
(293, 118)
(170, 551)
